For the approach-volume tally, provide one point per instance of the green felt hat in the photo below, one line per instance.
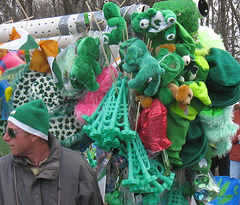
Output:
(32, 117)
(204, 164)
(195, 147)
(223, 82)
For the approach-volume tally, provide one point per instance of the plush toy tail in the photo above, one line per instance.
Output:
(91, 100)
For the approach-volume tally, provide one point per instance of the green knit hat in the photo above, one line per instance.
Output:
(32, 117)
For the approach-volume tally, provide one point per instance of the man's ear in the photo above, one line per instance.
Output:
(34, 137)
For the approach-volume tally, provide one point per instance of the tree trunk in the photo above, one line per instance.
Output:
(67, 7)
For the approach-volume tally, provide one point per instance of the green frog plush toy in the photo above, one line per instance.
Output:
(116, 24)
(147, 72)
(85, 66)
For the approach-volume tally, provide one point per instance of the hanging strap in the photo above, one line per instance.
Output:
(15, 184)
(59, 190)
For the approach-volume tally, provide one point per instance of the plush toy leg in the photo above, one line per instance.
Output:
(176, 132)
(141, 78)
(152, 88)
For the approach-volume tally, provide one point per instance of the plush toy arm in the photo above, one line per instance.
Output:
(114, 35)
(82, 73)
(139, 80)
(144, 75)
(151, 12)
(170, 33)
(115, 21)
(153, 86)
(128, 42)
(86, 78)
(169, 16)
(97, 68)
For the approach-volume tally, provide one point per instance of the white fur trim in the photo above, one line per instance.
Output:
(27, 128)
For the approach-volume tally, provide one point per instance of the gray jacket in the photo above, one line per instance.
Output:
(65, 178)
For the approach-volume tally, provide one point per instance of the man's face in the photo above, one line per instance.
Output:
(19, 141)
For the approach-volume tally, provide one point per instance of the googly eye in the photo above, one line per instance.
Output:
(202, 6)
(144, 24)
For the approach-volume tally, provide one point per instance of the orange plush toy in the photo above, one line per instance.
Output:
(145, 101)
(182, 94)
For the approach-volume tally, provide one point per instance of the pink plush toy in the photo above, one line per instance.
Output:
(91, 100)
(10, 60)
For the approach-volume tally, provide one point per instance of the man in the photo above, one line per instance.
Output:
(38, 170)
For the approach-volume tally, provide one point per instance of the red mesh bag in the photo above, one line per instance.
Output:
(152, 127)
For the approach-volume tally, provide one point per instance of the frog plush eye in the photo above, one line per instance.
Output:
(202, 6)
(144, 23)
(171, 20)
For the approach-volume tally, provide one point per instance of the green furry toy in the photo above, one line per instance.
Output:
(161, 27)
(85, 66)
(163, 20)
(173, 58)
(116, 24)
(187, 12)
(140, 22)
(147, 70)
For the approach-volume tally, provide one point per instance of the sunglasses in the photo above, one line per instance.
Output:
(12, 133)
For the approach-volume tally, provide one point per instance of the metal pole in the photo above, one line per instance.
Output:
(65, 25)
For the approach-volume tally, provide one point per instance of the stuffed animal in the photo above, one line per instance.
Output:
(145, 101)
(163, 28)
(154, 21)
(147, 70)
(188, 13)
(181, 49)
(163, 21)
(5, 90)
(173, 58)
(86, 66)
(181, 36)
(140, 22)
(89, 103)
(182, 94)
(9, 60)
(116, 24)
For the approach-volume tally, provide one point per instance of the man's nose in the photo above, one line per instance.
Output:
(6, 137)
